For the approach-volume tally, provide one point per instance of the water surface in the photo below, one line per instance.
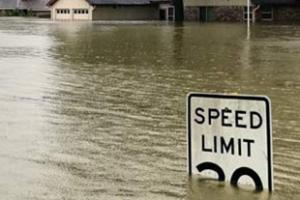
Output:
(97, 110)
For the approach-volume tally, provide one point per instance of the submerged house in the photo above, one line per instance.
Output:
(236, 10)
(111, 9)
(33, 7)
(277, 10)
(215, 10)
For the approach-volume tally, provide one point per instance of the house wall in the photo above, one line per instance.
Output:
(229, 14)
(215, 3)
(286, 13)
(282, 13)
(219, 10)
(147, 12)
(191, 13)
(216, 13)
(71, 4)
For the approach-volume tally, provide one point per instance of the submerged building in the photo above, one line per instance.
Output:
(112, 9)
(277, 10)
(236, 10)
(35, 7)
(215, 10)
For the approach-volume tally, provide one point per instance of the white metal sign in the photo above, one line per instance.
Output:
(230, 136)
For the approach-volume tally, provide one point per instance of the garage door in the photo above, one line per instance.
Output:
(63, 14)
(80, 14)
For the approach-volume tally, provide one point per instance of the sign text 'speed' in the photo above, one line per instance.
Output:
(223, 115)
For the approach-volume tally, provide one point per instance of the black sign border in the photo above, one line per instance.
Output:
(237, 97)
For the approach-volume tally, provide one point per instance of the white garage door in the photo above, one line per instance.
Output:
(80, 14)
(63, 14)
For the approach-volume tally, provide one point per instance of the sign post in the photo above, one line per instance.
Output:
(229, 136)
(248, 13)
(248, 19)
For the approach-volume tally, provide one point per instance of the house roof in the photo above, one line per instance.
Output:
(276, 2)
(35, 5)
(8, 4)
(125, 2)
(117, 2)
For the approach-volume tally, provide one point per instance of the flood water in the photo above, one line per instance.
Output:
(97, 110)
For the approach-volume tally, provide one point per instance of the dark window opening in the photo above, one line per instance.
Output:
(162, 14)
(266, 13)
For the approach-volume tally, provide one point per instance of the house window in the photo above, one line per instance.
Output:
(167, 13)
(171, 14)
(63, 11)
(81, 11)
(246, 13)
(266, 13)
(162, 14)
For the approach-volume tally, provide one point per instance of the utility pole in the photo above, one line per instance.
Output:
(248, 19)
(179, 16)
(248, 13)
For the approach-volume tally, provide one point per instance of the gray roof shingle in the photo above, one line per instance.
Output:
(118, 2)
(8, 4)
(124, 2)
(276, 2)
(35, 5)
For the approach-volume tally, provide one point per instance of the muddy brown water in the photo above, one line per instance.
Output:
(97, 110)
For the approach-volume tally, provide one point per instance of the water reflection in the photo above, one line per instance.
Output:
(97, 110)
